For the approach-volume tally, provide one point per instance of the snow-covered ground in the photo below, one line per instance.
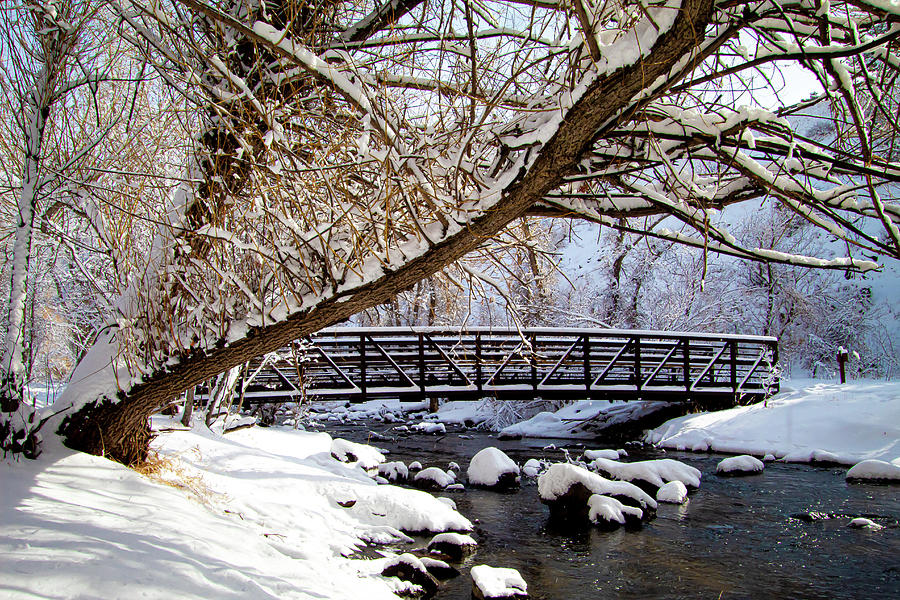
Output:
(808, 421)
(259, 513)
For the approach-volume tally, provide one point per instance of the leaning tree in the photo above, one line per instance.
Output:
(343, 151)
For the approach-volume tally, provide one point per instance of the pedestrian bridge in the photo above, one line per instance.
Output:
(418, 363)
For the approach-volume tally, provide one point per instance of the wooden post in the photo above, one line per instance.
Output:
(734, 353)
(478, 375)
(586, 355)
(687, 364)
(637, 362)
(533, 360)
(842, 358)
(362, 367)
(422, 366)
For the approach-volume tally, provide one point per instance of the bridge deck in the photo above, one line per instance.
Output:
(358, 364)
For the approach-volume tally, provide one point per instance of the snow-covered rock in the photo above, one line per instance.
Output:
(566, 489)
(874, 470)
(432, 478)
(455, 546)
(439, 568)
(557, 480)
(863, 523)
(740, 465)
(590, 455)
(603, 510)
(673, 492)
(415, 466)
(532, 467)
(489, 583)
(492, 468)
(428, 427)
(394, 471)
(654, 472)
(364, 455)
(410, 568)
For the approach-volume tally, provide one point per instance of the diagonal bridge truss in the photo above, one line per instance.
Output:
(359, 364)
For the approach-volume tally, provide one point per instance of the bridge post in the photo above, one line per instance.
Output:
(362, 367)
(637, 362)
(479, 384)
(422, 366)
(586, 355)
(533, 360)
(734, 354)
(687, 364)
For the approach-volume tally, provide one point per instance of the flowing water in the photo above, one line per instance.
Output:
(735, 538)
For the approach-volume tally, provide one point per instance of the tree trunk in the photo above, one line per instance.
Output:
(120, 430)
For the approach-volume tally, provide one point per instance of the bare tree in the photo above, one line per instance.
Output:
(345, 151)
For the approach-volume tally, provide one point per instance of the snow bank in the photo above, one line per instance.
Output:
(740, 464)
(877, 470)
(259, 513)
(809, 420)
(582, 419)
(491, 464)
(562, 423)
(557, 480)
(498, 582)
(463, 413)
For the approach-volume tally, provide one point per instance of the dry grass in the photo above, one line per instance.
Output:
(173, 473)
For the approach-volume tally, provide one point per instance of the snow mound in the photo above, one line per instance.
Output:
(673, 492)
(557, 480)
(603, 509)
(498, 582)
(740, 464)
(877, 470)
(654, 472)
(490, 465)
(433, 477)
(365, 456)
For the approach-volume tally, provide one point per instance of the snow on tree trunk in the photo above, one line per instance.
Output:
(17, 419)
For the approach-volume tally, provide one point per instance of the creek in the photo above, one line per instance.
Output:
(735, 538)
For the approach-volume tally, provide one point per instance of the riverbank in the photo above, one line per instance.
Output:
(809, 421)
(255, 514)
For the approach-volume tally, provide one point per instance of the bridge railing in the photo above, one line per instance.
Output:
(357, 364)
